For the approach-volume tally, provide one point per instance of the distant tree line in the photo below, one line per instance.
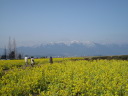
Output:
(121, 57)
(11, 51)
(117, 57)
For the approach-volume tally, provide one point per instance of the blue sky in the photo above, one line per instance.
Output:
(34, 21)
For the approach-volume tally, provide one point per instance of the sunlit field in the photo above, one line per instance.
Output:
(65, 77)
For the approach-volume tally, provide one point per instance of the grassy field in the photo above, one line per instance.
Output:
(65, 77)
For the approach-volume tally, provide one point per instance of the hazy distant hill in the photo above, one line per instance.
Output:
(75, 48)
(1, 51)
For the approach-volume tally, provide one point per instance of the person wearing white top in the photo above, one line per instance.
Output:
(26, 60)
(32, 61)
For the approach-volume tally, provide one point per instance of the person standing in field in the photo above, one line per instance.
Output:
(32, 61)
(26, 60)
(51, 60)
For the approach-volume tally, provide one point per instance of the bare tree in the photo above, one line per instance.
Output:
(9, 48)
(12, 51)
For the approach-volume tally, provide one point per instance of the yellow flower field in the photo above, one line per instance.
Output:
(65, 78)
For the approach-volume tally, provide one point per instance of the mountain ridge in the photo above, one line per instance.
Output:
(74, 48)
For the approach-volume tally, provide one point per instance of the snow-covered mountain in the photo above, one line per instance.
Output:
(74, 48)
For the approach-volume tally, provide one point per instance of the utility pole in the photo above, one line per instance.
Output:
(5, 53)
(14, 49)
(9, 48)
